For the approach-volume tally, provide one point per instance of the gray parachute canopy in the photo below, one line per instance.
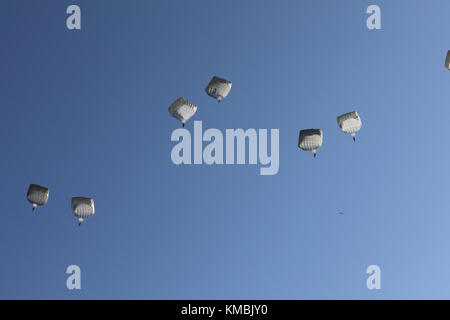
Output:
(37, 195)
(447, 60)
(182, 110)
(310, 140)
(350, 123)
(82, 208)
(218, 88)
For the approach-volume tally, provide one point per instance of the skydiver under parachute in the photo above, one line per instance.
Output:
(350, 123)
(82, 208)
(310, 140)
(218, 88)
(182, 110)
(37, 195)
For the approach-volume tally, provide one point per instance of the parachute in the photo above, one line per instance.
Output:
(310, 140)
(218, 88)
(182, 110)
(82, 208)
(447, 60)
(37, 195)
(350, 123)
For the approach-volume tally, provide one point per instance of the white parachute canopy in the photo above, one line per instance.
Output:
(182, 110)
(310, 140)
(447, 60)
(37, 195)
(350, 123)
(82, 208)
(218, 88)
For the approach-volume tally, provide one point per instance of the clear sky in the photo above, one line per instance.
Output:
(85, 114)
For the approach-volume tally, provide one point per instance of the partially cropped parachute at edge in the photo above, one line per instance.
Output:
(182, 110)
(218, 88)
(447, 60)
(350, 123)
(82, 208)
(37, 195)
(310, 140)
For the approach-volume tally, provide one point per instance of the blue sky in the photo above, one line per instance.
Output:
(85, 114)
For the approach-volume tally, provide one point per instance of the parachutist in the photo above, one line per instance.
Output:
(218, 88)
(37, 195)
(82, 208)
(310, 140)
(350, 123)
(315, 154)
(182, 110)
